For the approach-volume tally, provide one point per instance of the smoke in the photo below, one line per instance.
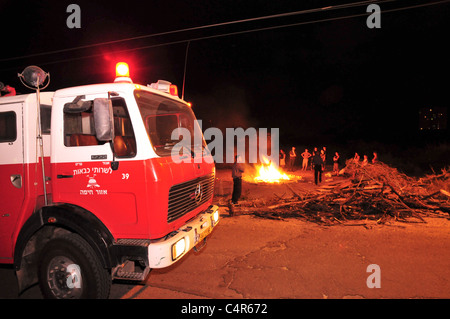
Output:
(228, 108)
(224, 107)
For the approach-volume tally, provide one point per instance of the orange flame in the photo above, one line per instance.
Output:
(268, 172)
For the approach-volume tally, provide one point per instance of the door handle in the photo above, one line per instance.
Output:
(16, 180)
(64, 176)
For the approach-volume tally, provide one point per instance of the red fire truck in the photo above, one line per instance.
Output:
(108, 198)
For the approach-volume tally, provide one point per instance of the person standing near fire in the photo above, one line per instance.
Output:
(356, 161)
(336, 163)
(365, 160)
(282, 159)
(375, 158)
(317, 162)
(292, 157)
(306, 155)
(323, 154)
(323, 157)
(236, 173)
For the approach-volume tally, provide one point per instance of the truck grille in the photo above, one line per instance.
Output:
(185, 197)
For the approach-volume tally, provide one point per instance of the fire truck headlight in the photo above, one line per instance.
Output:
(215, 217)
(178, 248)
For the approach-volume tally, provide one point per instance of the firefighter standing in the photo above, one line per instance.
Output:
(292, 157)
(236, 173)
(317, 162)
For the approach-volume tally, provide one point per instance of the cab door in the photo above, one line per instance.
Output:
(11, 174)
(83, 174)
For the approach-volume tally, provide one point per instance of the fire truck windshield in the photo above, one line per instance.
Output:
(162, 117)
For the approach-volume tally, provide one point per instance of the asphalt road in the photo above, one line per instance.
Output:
(254, 258)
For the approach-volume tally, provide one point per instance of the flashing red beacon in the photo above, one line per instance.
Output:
(122, 73)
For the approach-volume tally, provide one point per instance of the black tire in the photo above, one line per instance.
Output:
(89, 280)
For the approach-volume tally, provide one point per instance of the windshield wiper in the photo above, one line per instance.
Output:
(172, 144)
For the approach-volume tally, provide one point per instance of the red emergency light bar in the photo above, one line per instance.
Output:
(122, 73)
(122, 69)
(173, 90)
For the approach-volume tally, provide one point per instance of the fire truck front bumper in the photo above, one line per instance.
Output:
(168, 250)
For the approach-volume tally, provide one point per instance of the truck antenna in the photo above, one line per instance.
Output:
(184, 73)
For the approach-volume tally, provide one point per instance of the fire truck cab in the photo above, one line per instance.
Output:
(112, 199)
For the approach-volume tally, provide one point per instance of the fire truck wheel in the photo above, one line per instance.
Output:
(70, 269)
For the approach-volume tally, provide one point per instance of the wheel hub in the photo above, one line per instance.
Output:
(64, 278)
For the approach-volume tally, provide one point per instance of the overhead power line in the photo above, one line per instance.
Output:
(227, 33)
(281, 15)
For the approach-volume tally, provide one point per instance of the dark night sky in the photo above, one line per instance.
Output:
(321, 83)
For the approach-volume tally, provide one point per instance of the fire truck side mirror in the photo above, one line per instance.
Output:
(77, 105)
(103, 119)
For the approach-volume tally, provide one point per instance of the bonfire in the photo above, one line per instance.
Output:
(268, 172)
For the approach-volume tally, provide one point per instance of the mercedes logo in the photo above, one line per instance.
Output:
(198, 193)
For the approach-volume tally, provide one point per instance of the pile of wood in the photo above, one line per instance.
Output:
(374, 192)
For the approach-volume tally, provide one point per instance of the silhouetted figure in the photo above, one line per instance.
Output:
(318, 164)
(236, 173)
